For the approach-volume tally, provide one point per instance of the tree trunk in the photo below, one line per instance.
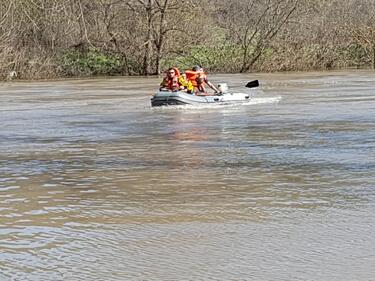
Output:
(147, 54)
(160, 41)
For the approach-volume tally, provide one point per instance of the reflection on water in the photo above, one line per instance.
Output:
(97, 185)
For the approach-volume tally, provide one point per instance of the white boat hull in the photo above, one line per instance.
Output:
(182, 98)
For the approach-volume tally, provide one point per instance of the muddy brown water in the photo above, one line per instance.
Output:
(97, 185)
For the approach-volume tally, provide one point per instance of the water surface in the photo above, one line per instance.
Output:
(97, 185)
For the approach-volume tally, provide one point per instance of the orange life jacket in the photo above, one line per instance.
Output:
(177, 71)
(172, 84)
(197, 78)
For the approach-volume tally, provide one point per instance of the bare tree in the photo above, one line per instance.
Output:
(253, 24)
(360, 24)
(164, 20)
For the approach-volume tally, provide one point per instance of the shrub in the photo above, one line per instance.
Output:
(218, 58)
(91, 62)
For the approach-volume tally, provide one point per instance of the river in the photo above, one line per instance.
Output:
(97, 185)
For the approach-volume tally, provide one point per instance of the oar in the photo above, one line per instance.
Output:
(252, 84)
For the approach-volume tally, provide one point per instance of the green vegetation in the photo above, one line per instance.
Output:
(92, 62)
(218, 58)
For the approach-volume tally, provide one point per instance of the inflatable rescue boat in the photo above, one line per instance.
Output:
(161, 98)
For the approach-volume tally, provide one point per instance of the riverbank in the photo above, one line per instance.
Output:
(95, 63)
(49, 75)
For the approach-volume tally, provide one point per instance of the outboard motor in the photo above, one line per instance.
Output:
(223, 87)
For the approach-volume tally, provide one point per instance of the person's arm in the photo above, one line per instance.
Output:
(163, 85)
(161, 88)
(212, 86)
